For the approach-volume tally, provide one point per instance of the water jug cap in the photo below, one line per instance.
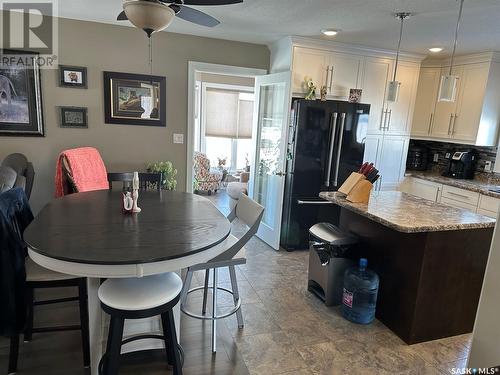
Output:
(363, 262)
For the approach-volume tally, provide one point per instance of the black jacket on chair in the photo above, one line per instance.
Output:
(15, 216)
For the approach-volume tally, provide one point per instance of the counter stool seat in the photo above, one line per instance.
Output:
(139, 298)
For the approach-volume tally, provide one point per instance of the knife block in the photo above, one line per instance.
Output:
(351, 182)
(360, 193)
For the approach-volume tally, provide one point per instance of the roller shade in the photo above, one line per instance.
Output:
(226, 115)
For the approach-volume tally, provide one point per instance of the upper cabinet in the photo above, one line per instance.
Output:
(474, 116)
(338, 72)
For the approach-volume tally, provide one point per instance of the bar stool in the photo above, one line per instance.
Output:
(139, 298)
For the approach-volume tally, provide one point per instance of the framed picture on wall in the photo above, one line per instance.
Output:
(20, 94)
(134, 99)
(73, 117)
(73, 76)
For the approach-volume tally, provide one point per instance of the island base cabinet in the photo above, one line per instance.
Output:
(430, 282)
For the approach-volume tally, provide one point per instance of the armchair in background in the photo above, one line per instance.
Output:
(205, 178)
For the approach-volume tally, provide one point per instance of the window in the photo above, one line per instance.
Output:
(228, 121)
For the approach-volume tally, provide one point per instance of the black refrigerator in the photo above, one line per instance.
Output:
(326, 142)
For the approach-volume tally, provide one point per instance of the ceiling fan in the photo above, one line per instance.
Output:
(156, 15)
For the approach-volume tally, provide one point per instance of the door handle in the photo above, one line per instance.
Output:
(341, 138)
(333, 125)
(384, 127)
(430, 123)
(449, 124)
(389, 120)
(382, 118)
(281, 174)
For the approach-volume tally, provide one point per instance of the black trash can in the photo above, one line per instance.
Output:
(330, 254)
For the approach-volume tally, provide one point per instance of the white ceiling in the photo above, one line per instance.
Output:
(365, 22)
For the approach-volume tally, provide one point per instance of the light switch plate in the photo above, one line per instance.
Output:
(178, 138)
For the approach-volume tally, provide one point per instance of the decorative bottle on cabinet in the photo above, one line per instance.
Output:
(360, 293)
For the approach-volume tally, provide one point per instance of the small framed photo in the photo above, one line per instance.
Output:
(73, 117)
(355, 95)
(73, 76)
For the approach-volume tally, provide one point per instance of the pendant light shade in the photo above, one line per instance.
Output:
(149, 16)
(394, 86)
(449, 83)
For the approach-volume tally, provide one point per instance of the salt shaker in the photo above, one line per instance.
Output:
(135, 191)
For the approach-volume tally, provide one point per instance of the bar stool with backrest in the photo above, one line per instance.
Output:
(249, 213)
(38, 277)
(139, 298)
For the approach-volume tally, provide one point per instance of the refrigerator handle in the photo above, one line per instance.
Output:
(333, 127)
(341, 138)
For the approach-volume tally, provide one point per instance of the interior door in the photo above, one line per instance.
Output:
(267, 180)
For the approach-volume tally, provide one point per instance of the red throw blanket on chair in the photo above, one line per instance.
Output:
(86, 168)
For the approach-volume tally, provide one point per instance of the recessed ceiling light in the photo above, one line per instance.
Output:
(435, 49)
(330, 32)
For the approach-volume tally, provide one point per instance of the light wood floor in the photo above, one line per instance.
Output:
(287, 331)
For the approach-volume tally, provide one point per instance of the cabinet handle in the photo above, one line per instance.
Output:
(327, 73)
(389, 120)
(449, 124)
(453, 126)
(382, 118)
(331, 81)
(430, 123)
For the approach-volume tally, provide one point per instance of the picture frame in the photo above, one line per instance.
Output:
(135, 99)
(73, 117)
(73, 76)
(21, 110)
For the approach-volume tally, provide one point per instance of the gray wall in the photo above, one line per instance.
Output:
(102, 47)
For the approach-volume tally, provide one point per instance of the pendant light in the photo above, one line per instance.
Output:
(393, 89)
(449, 83)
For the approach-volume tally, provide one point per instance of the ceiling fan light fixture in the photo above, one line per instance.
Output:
(329, 32)
(149, 16)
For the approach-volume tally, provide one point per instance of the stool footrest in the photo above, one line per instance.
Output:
(205, 317)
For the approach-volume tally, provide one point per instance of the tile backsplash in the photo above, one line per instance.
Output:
(441, 148)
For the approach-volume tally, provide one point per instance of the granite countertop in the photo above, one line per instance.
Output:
(478, 185)
(409, 214)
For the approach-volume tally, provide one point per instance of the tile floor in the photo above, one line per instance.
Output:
(287, 331)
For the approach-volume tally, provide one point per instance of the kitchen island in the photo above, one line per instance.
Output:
(430, 258)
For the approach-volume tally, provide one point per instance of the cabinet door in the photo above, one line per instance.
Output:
(372, 148)
(401, 112)
(426, 190)
(425, 102)
(374, 84)
(445, 111)
(470, 102)
(346, 69)
(392, 161)
(309, 63)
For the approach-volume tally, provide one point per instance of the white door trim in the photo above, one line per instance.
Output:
(193, 68)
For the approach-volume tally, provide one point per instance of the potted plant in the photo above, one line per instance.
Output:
(168, 173)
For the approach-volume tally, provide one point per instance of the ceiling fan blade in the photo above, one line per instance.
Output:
(195, 16)
(211, 2)
(122, 16)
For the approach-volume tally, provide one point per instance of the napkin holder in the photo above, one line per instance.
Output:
(356, 188)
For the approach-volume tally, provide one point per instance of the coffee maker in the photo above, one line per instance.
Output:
(462, 165)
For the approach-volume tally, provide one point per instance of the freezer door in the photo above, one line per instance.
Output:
(350, 146)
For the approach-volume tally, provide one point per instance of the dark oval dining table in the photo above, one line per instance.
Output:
(88, 235)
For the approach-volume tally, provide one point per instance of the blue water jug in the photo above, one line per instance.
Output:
(360, 293)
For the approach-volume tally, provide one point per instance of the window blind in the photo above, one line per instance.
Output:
(226, 115)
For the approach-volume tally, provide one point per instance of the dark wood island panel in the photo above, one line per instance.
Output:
(430, 282)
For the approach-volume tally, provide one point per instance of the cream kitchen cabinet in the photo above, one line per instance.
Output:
(422, 188)
(389, 155)
(339, 72)
(425, 102)
(474, 116)
(389, 117)
(488, 206)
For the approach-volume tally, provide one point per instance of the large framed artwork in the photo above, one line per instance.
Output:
(21, 111)
(134, 99)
